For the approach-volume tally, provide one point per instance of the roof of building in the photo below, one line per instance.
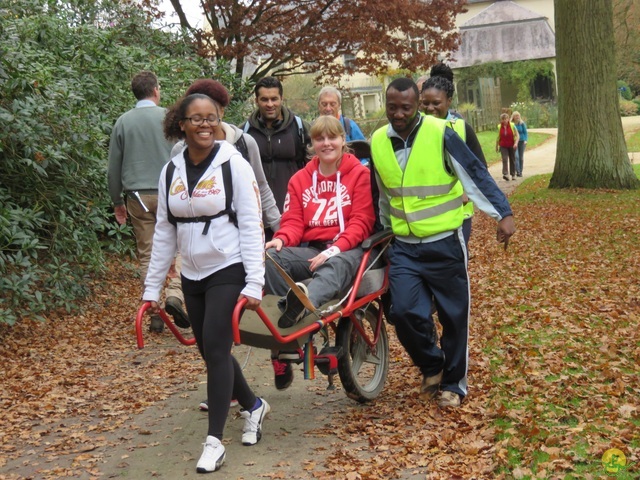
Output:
(504, 32)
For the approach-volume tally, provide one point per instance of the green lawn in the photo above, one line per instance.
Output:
(557, 406)
(488, 142)
(633, 142)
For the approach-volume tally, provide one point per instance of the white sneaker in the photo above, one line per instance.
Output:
(252, 430)
(212, 456)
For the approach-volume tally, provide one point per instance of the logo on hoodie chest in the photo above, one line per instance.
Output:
(325, 208)
(206, 187)
(323, 187)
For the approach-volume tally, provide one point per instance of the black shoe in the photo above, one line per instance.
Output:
(294, 312)
(157, 325)
(519, 174)
(173, 306)
(506, 177)
(283, 373)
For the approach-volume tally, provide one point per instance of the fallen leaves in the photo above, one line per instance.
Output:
(553, 378)
(70, 380)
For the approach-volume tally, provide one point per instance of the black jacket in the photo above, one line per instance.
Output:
(283, 150)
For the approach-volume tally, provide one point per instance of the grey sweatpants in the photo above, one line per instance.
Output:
(333, 277)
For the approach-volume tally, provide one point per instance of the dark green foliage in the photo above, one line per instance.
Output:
(65, 70)
(521, 73)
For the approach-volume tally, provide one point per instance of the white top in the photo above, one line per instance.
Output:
(224, 244)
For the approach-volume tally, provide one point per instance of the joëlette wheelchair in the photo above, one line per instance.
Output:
(346, 336)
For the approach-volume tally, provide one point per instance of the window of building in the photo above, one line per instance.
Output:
(348, 60)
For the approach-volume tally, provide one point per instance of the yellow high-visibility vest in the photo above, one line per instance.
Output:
(425, 199)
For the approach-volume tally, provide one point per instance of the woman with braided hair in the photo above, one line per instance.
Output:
(435, 99)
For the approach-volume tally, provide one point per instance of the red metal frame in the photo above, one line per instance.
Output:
(351, 306)
(165, 318)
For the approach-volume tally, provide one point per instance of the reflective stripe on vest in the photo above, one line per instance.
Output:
(425, 198)
(459, 127)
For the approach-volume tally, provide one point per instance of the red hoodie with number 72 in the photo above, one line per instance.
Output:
(337, 209)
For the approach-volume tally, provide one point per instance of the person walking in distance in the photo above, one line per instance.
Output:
(137, 153)
(523, 137)
(506, 145)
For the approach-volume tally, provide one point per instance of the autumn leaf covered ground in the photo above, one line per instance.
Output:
(554, 365)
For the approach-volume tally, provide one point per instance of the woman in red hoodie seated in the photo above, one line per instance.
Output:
(328, 212)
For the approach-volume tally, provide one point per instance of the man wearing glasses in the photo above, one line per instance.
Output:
(137, 152)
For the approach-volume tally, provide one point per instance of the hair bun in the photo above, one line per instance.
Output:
(442, 70)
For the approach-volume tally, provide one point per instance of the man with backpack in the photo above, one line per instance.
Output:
(282, 137)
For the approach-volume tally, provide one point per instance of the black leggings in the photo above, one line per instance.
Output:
(210, 303)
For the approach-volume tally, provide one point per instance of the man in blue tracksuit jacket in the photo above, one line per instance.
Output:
(417, 162)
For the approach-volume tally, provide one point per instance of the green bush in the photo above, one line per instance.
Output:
(628, 108)
(536, 114)
(65, 70)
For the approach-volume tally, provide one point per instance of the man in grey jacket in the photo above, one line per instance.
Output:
(137, 153)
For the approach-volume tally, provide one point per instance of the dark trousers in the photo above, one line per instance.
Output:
(508, 161)
(418, 273)
(210, 303)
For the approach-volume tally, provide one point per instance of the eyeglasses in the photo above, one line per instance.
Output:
(197, 120)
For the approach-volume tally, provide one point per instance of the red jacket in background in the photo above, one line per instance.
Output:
(313, 211)
(507, 134)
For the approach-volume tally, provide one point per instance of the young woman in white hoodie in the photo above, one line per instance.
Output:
(222, 260)
(243, 142)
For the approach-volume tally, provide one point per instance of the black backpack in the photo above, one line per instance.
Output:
(241, 146)
(228, 190)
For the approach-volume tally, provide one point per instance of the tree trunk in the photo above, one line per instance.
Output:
(591, 148)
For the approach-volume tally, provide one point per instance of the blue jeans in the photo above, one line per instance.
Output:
(417, 273)
(520, 157)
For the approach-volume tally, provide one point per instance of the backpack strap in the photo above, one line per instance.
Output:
(227, 180)
(302, 163)
(241, 146)
(300, 128)
(347, 126)
(169, 176)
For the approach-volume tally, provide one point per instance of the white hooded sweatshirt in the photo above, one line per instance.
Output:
(224, 244)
